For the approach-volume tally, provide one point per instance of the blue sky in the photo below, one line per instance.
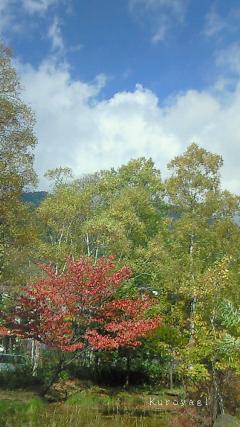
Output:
(114, 79)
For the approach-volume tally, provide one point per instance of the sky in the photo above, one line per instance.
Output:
(111, 80)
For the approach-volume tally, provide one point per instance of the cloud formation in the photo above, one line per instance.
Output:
(216, 25)
(10, 22)
(213, 23)
(9, 18)
(162, 15)
(38, 6)
(6, 16)
(55, 35)
(76, 129)
(229, 58)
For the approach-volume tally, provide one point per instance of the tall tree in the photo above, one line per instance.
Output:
(194, 188)
(17, 141)
(188, 262)
(110, 212)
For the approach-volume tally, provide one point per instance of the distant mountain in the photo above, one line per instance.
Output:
(34, 197)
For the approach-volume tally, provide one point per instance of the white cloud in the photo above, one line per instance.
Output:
(36, 6)
(161, 14)
(76, 48)
(55, 35)
(213, 23)
(7, 17)
(9, 20)
(229, 58)
(176, 6)
(76, 129)
(4, 15)
(160, 34)
(217, 25)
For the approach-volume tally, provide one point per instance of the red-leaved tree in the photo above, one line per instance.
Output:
(81, 308)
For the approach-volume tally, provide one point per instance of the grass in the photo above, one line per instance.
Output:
(18, 412)
(92, 407)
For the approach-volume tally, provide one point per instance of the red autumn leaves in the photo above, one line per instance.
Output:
(4, 332)
(82, 308)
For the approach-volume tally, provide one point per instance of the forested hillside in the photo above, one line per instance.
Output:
(34, 197)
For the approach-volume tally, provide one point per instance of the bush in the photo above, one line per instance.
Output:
(231, 392)
(190, 417)
(21, 377)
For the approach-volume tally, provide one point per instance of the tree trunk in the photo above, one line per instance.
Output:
(61, 365)
(126, 385)
(55, 376)
(217, 400)
(192, 322)
(96, 363)
(35, 356)
(194, 299)
(171, 375)
(88, 245)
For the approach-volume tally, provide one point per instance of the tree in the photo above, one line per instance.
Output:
(17, 141)
(187, 259)
(82, 308)
(194, 188)
(110, 212)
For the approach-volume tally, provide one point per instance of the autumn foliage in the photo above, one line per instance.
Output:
(4, 332)
(80, 308)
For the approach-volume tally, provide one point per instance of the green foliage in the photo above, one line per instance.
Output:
(229, 316)
(17, 141)
(20, 378)
(109, 213)
(180, 238)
